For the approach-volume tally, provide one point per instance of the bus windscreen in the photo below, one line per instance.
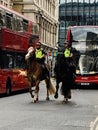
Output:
(85, 41)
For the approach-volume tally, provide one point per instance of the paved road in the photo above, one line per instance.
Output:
(17, 112)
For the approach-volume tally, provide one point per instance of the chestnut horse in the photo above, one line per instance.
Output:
(36, 74)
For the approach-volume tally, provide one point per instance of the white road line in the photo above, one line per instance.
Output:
(94, 125)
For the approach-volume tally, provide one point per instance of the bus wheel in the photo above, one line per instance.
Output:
(8, 87)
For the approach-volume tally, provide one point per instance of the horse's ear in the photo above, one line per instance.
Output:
(30, 49)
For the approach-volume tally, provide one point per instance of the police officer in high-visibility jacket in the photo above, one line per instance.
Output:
(40, 54)
(40, 57)
(67, 51)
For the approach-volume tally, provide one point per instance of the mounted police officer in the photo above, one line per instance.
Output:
(68, 54)
(68, 51)
(40, 57)
(40, 54)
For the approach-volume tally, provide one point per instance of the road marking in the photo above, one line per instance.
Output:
(94, 125)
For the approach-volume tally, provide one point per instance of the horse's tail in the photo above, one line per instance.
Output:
(51, 88)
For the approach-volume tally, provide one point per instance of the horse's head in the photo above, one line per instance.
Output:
(31, 53)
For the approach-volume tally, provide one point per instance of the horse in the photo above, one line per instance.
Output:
(65, 73)
(35, 74)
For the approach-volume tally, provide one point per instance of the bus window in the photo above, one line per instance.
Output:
(35, 29)
(9, 20)
(19, 62)
(25, 25)
(7, 61)
(14, 22)
(2, 18)
(19, 25)
(10, 65)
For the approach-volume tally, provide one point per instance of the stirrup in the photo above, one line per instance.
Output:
(43, 66)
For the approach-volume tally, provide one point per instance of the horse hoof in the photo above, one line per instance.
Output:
(69, 96)
(56, 96)
(66, 99)
(36, 99)
(47, 99)
(63, 102)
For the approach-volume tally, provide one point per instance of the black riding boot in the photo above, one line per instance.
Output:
(45, 70)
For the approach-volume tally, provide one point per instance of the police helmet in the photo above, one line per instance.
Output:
(66, 43)
(38, 44)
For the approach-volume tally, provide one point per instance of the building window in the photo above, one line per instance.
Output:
(77, 12)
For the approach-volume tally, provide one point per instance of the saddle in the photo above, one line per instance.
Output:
(44, 67)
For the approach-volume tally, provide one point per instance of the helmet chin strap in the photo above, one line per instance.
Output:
(38, 48)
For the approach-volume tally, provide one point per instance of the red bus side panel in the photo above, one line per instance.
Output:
(17, 77)
(13, 40)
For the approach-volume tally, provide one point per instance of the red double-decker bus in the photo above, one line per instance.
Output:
(84, 41)
(16, 34)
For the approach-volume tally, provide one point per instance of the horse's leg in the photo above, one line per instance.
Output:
(65, 100)
(36, 97)
(64, 90)
(30, 89)
(47, 86)
(57, 87)
(69, 94)
(66, 96)
(47, 98)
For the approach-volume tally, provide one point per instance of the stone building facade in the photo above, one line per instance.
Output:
(43, 12)
(7, 3)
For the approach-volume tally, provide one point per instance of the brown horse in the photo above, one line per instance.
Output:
(36, 74)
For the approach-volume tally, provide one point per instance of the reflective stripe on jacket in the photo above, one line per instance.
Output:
(38, 53)
(67, 53)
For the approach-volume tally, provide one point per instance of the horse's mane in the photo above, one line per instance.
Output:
(30, 56)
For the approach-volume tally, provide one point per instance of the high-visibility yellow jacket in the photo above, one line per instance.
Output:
(39, 53)
(67, 53)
